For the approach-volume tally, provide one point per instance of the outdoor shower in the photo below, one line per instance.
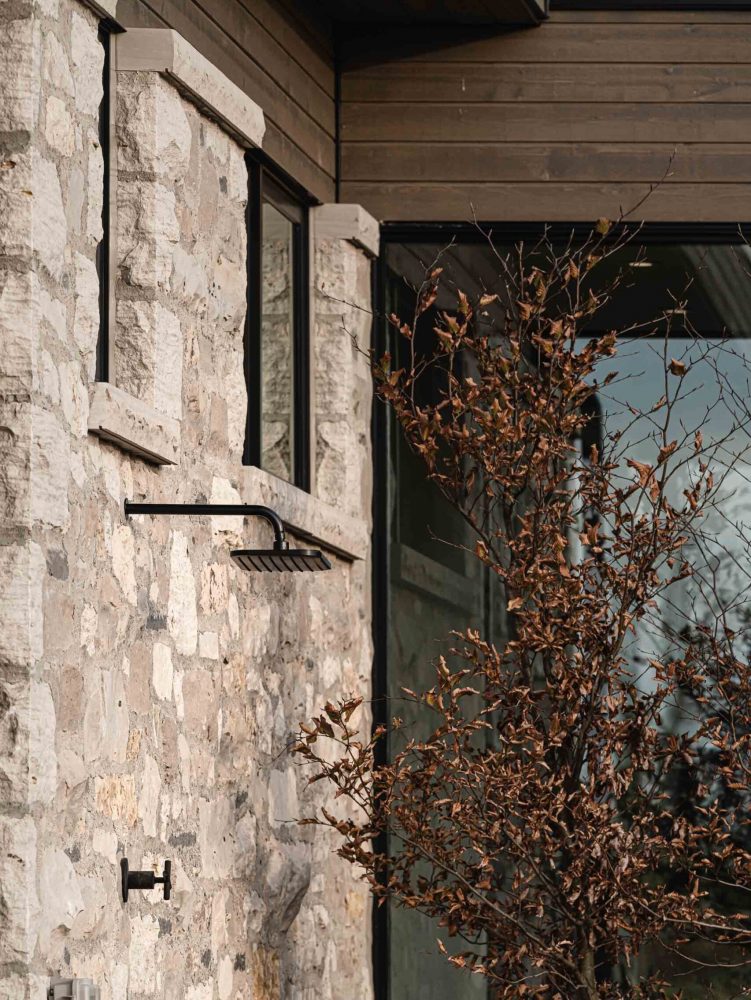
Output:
(280, 559)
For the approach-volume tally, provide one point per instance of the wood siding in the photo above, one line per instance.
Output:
(572, 120)
(281, 57)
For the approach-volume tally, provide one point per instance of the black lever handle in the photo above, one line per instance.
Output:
(145, 880)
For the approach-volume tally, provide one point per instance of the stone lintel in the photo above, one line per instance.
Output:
(305, 517)
(133, 425)
(165, 51)
(347, 222)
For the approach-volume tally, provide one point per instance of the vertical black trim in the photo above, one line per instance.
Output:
(381, 599)
(294, 206)
(253, 317)
(301, 353)
(103, 249)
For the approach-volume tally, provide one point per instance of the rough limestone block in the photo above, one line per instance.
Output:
(50, 462)
(154, 136)
(17, 203)
(19, 71)
(56, 66)
(22, 571)
(88, 62)
(58, 127)
(59, 894)
(143, 955)
(168, 364)
(20, 910)
(42, 757)
(49, 229)
(216, 836)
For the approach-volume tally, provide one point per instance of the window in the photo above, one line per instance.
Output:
(104, 262)
(277, 353)
(694, 277)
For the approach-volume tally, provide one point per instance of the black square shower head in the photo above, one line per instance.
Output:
(280, 560)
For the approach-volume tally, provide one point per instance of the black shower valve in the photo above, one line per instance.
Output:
(145, 880)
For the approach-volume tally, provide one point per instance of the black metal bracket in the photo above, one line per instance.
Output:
(145, 880)
(215, 510)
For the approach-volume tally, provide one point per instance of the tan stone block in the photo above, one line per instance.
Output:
(199, 692)
(139, 680)
(115, 796)
(216, 836)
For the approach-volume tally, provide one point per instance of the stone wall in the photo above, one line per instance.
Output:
(148, 688)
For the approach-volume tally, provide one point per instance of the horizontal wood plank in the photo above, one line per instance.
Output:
(622, 162)
(456, 83)
(244, 37)
(663, 16)
(550, 202)
(313, 51)
(554, 41)
(574, 122)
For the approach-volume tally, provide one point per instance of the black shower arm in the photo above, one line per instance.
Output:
(214, 510)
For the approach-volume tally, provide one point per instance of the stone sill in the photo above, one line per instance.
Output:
(305, 517)
(348, 222)
(132, 425)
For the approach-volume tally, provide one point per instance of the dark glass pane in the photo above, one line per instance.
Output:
(701, 296)
(435, 586)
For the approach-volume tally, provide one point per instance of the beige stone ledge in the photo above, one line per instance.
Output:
(162, 50)
(347, 222)
(103, 8)
(134, 426)
(305, 517)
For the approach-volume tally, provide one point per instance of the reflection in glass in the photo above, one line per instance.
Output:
(277, 336)
(688, 302)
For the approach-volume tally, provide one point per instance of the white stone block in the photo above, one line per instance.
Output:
(20, 910)
(182, 617)
(148, 802)
(49, 226)
(56, 65)
(163, 671)
(59, 893)
(58, 127)
(168, 364)
(88, 62)
(216, 837)
(41, 734)
(19, 70)
(123, 561)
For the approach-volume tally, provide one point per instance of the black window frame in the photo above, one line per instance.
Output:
(268, 183)
(105, 249)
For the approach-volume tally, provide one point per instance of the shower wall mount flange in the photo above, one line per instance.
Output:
(145, 879)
